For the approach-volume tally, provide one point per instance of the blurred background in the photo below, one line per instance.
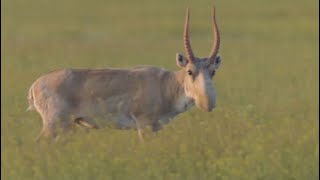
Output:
(266, 122)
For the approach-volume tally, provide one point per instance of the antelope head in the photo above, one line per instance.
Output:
(198, 72)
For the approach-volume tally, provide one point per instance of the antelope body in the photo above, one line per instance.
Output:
(131, 98)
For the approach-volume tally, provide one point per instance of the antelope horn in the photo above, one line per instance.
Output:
(187, 45)
(216, 42)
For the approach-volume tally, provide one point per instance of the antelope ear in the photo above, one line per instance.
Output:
(217, 62)
(214, 66)
(181, 60)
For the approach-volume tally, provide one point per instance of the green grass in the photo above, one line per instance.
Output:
(266, 122)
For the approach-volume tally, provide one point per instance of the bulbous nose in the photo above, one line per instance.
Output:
(208, 108)
(205, 94)
(207, 104)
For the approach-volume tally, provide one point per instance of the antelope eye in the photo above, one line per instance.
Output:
(212, 74)
(189, 72)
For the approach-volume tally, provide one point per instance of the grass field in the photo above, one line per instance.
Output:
(266, 122)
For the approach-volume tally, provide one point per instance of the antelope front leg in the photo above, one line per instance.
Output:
(140, 135)
(156, 126)
(139, 128)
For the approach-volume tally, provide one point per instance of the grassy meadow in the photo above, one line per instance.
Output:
(266, 122)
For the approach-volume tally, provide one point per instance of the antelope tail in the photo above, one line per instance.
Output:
(30, 99)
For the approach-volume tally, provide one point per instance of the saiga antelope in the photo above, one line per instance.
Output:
(126, 98)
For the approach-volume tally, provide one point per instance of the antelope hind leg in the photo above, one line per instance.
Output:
(86, 122)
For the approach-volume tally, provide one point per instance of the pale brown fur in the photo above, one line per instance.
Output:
(148, 93)
(132, 98)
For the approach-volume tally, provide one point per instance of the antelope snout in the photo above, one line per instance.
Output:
(208, 108)
(206, 104)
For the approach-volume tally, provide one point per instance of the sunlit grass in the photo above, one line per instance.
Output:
(266, 122)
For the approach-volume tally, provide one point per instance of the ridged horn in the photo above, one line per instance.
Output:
(216, 34)
(187, 45)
